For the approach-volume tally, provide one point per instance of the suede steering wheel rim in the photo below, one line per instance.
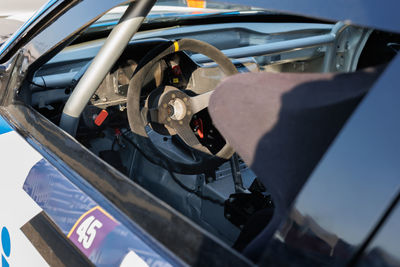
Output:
(183, 107)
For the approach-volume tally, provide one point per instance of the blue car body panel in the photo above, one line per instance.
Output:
(65, 204)
(4, 126)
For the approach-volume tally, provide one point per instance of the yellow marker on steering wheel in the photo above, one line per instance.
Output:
(176, 46)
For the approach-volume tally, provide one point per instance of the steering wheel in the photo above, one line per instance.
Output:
(173, 109)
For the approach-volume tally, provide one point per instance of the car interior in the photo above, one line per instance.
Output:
(140, 123)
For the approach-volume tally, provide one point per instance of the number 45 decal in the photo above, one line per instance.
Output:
(91, 228)
(87, 231)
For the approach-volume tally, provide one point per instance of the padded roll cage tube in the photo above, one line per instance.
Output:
(103, 62)
(330, 38)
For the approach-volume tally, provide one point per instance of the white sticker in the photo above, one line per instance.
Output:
(132, 259)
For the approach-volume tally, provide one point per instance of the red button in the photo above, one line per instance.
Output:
(101, 117)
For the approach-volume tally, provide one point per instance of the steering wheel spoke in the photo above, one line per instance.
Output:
(200, 102)
(187, 136)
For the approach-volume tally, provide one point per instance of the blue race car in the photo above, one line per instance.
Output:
(172, 133)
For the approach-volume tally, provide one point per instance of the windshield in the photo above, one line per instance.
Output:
(176, 10)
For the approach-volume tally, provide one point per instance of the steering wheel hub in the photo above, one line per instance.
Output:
(174, 107)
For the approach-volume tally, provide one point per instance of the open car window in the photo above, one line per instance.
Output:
(155, 142)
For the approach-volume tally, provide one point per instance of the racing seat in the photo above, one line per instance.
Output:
(281, 124)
